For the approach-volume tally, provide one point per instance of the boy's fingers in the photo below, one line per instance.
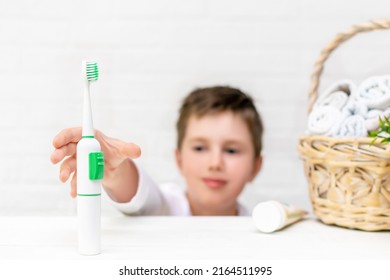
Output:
(67, 168)
(73, 186)
(60, 153)
(68, 135)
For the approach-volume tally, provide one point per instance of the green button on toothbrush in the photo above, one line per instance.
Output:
(90, 170)
(96, 166)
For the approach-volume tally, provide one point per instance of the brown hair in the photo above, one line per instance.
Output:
(217, 99)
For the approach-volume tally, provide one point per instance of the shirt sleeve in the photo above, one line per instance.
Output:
(148, 199)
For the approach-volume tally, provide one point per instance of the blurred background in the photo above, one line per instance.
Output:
(151, 53)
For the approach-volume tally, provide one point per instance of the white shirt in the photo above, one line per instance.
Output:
(167, 199)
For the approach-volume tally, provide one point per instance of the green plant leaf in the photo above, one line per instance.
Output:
(381, 125)
(373, 133)
(386, 120)
(383, 131)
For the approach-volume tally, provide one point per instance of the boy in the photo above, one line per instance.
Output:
(218, 152)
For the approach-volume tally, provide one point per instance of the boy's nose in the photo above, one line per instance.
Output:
(216, 161)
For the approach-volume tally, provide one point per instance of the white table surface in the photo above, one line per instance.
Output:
(148, 238)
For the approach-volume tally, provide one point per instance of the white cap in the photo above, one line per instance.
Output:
(268, 216)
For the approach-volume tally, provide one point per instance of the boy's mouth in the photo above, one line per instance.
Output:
(214, 183)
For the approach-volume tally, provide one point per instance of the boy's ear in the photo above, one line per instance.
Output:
(178, 158)
(257, 167)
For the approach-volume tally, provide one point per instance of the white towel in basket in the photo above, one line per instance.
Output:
(353, 126)
(375, 92)
(372, 120)
(336, 95)
(355, 107)
(324, 120)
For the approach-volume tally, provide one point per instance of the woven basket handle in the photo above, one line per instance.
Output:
(338, 40)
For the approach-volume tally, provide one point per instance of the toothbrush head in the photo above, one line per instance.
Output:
(90, 70)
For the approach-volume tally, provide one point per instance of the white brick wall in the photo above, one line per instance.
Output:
(152, 53)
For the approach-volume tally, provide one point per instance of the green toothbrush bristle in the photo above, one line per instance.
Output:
(92, 71)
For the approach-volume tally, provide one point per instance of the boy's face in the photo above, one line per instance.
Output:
(217, 160)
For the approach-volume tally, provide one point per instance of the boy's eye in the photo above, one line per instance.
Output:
(231, 151)
(198, 148)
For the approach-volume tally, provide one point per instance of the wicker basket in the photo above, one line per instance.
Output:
(349, 179)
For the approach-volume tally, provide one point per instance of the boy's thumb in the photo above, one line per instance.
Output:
(119, 147)
(130, 150)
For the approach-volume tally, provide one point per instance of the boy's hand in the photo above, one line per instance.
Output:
(115, 152)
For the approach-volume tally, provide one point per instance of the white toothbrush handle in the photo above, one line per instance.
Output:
(90, 169)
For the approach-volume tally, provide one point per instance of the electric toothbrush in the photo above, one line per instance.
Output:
(90, 171)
